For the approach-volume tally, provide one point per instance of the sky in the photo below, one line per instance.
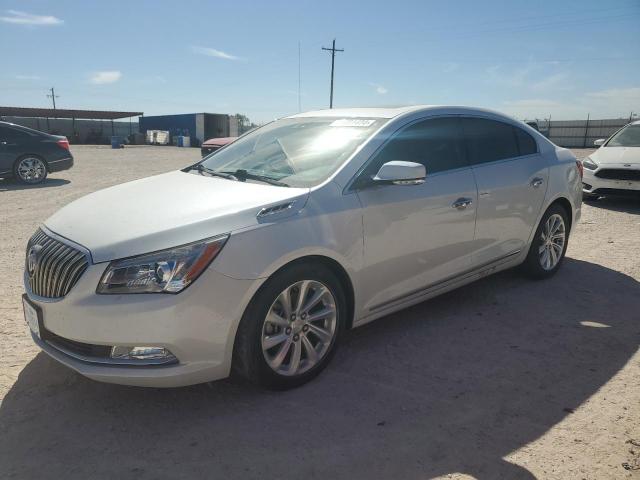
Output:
(530, 59)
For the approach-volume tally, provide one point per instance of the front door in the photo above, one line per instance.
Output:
(417, 235)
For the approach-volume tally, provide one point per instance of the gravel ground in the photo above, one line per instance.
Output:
(506, 378)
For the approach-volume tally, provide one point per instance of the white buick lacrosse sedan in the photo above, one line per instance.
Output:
(257, 258)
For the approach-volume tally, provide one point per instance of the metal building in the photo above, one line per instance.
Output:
(198, 126)
(79, 126)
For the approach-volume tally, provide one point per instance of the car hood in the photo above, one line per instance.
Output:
(165, 211)
(616, 155)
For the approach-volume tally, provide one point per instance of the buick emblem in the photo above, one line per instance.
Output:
(32, 258)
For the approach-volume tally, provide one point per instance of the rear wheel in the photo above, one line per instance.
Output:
(30, 169)
(549, 244)
(289, 331)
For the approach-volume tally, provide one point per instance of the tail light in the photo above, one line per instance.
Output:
(580, 168)
(64, 143)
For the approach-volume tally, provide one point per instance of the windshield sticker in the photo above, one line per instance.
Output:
(352, 122)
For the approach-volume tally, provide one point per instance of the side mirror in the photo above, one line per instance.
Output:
(399, 172)
(599, 142)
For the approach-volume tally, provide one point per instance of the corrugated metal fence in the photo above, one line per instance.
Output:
(579, 133)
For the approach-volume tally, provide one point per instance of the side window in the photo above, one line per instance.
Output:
(436, 143)
(488, 140)
(526, 143)
(13, 134)
(4, 133)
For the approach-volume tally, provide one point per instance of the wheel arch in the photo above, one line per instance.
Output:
(338, 270)
(566, 206)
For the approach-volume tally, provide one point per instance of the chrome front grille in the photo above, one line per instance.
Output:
(53, 267)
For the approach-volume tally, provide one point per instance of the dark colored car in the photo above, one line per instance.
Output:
(214, 144)
(29, 155)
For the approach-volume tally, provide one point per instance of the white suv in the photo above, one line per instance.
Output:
(258, 257)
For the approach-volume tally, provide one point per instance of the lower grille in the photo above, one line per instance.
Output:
(78, 348)
(53, 267)
(618, 174)
(617, 191)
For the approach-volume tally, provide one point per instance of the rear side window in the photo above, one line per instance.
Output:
(488, 140)
(8, 133)
(436, 143)
(526, 143)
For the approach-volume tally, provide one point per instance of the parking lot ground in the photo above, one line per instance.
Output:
(506, 378)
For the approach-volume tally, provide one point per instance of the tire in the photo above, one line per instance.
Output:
(30, 169)
(538, 264)
(264, 362)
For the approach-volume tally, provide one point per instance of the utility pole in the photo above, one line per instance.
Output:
(333, 51)
(299, 102)
(53, 97)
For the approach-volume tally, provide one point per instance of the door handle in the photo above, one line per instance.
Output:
(536, 182)
(462, 203)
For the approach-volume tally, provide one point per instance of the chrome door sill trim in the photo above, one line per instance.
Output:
(434, 287)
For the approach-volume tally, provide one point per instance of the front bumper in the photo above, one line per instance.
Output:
(198, 326)
(593, 184)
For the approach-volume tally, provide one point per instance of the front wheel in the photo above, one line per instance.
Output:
(289, 331)
(549, 244)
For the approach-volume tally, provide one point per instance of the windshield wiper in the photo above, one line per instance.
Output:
(243, 175)
(202, 169)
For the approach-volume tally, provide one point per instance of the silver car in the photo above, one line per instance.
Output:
(257, 258)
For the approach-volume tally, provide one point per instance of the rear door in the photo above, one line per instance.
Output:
(7, 149)
(512, 181)
(417, 235)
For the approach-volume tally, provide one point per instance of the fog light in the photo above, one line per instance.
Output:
(153, 354)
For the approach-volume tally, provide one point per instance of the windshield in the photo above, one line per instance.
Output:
(627, 137)
(300, 152)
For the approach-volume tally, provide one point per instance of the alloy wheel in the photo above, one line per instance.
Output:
(299, 328)
(31, 170)
(552, 240)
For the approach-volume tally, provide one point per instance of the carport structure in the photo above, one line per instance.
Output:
(56, 113)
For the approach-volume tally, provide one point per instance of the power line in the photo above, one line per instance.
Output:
(333, 51)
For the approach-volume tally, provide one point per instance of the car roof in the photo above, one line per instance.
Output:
(391, 112)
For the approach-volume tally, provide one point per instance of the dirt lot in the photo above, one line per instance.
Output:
(506, 378)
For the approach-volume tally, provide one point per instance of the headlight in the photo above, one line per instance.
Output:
(589, 164)
(166, 271)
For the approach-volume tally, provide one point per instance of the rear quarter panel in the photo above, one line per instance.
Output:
(564, 181)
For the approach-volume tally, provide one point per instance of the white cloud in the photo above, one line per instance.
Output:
(514, 78)
(618, 94)
(380, 90)
(27, 77)
(610, 103)
(23, 18)
(555, 81)
(212, 52)
(108, 76)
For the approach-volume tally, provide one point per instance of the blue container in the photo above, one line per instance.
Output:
(116, 142)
